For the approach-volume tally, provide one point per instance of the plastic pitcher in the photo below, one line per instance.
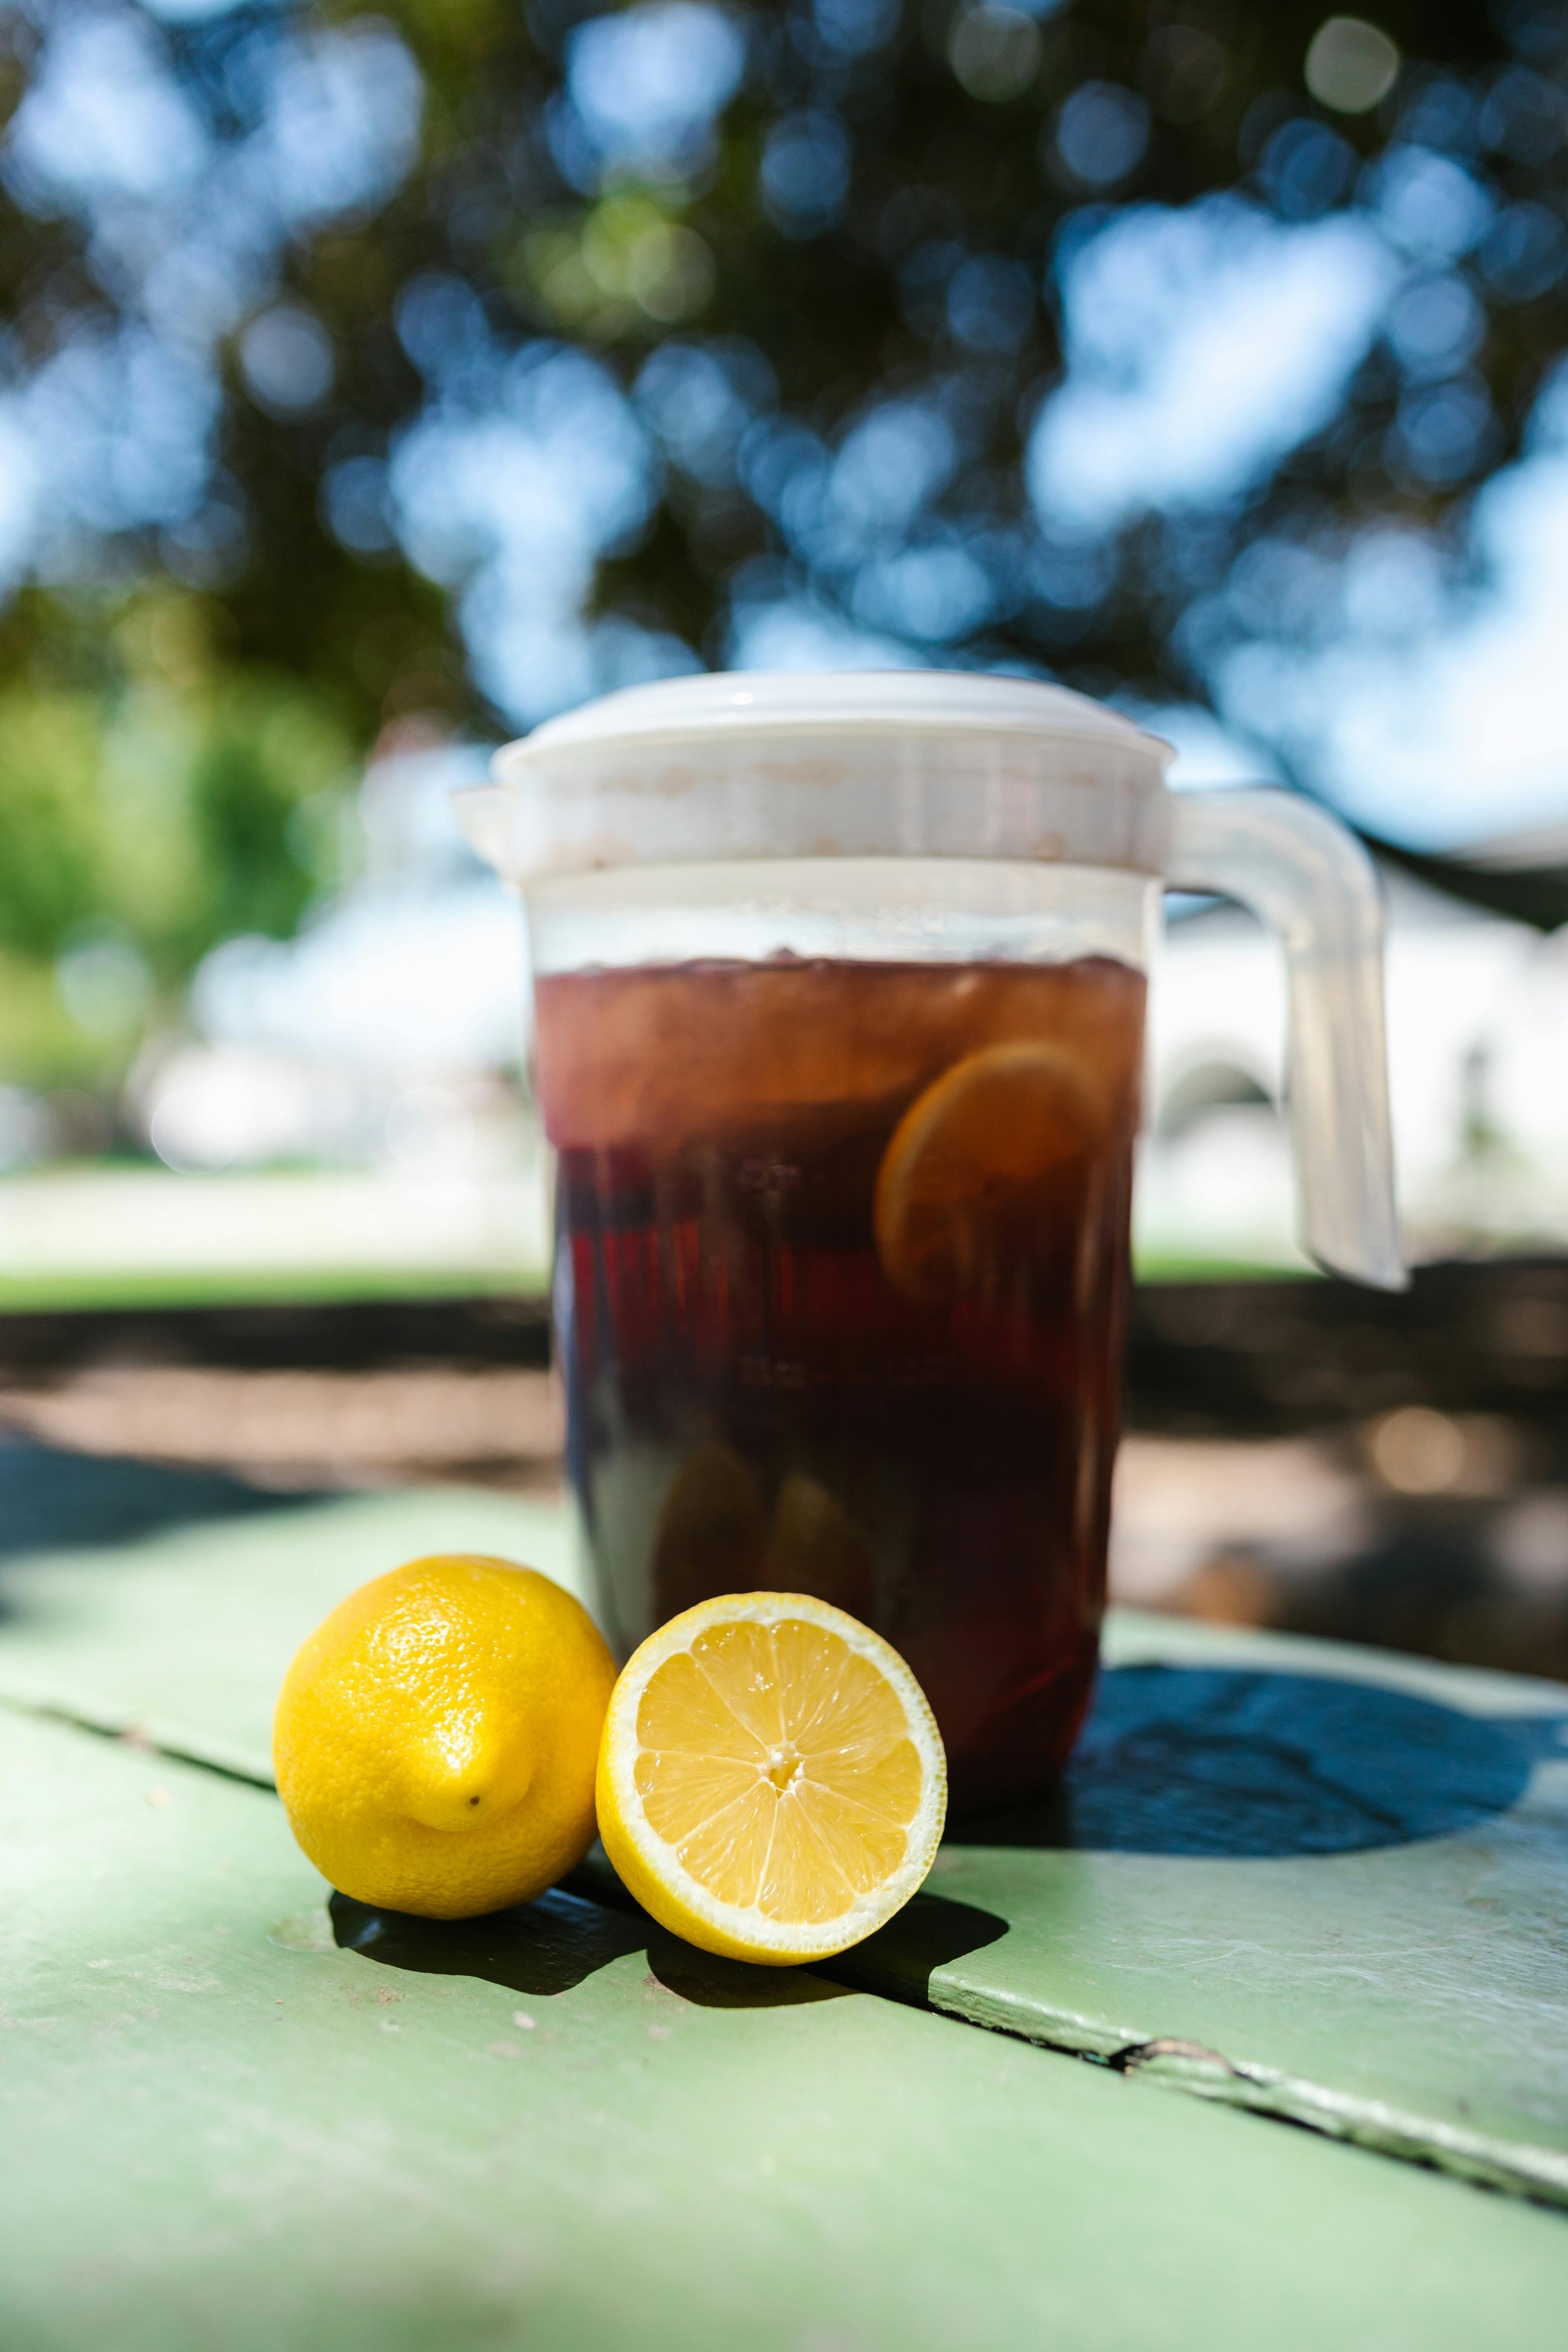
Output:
(838, 1028)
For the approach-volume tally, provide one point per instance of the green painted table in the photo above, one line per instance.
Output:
(1325, 1883)
(237, 2115)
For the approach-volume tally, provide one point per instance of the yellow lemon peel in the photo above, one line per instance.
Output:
(435, 1738)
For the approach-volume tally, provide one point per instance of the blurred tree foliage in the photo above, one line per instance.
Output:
(144, 817)
(875, 212)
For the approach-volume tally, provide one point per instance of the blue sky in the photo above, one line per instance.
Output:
(1200, 344)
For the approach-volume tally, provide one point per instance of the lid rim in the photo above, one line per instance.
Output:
(524, 747)
(909, 703)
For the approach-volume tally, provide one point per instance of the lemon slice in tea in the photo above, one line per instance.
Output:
(984, 1170)
(772, 1783)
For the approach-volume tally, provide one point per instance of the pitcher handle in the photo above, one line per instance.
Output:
(1310, 881)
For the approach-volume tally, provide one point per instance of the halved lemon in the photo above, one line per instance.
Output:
(983, 1171)
(772, 1783)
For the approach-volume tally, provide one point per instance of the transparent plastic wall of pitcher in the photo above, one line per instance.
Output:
(1311, 882)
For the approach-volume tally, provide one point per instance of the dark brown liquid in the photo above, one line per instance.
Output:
(813, 1343)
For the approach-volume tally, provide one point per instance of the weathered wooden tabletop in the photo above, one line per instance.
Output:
(1325, 1885)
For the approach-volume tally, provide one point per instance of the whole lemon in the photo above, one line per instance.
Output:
(435, 1738)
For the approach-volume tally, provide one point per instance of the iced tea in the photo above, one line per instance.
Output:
(840, 1275)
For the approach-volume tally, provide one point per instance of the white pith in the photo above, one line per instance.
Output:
(746, 1923)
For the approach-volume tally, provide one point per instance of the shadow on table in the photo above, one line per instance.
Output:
(52, 1500)
(551, 1946)
(1182, 1760)
(930, 1932)
(1217, 1762)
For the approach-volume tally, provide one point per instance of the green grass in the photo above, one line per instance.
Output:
(248, 1286)
(329, 1286)
(1159, 1266)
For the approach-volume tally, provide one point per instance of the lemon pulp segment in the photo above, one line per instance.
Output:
(779, 1766)
(785, 1777)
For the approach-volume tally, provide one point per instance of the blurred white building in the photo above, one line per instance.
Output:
(350, 1103)
(1477, 1036)
(390, 1036)
(391, 1031)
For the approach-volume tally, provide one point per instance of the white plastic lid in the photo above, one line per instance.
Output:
(742, 765)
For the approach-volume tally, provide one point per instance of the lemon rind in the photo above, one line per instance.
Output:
(654, 1868)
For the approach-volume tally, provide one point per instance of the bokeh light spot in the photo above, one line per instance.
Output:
(806, 172)
(995, 52)
(286, 357)
(1350, 64)
(1101, 132)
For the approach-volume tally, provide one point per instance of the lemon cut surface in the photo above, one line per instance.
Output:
(772, 1783)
